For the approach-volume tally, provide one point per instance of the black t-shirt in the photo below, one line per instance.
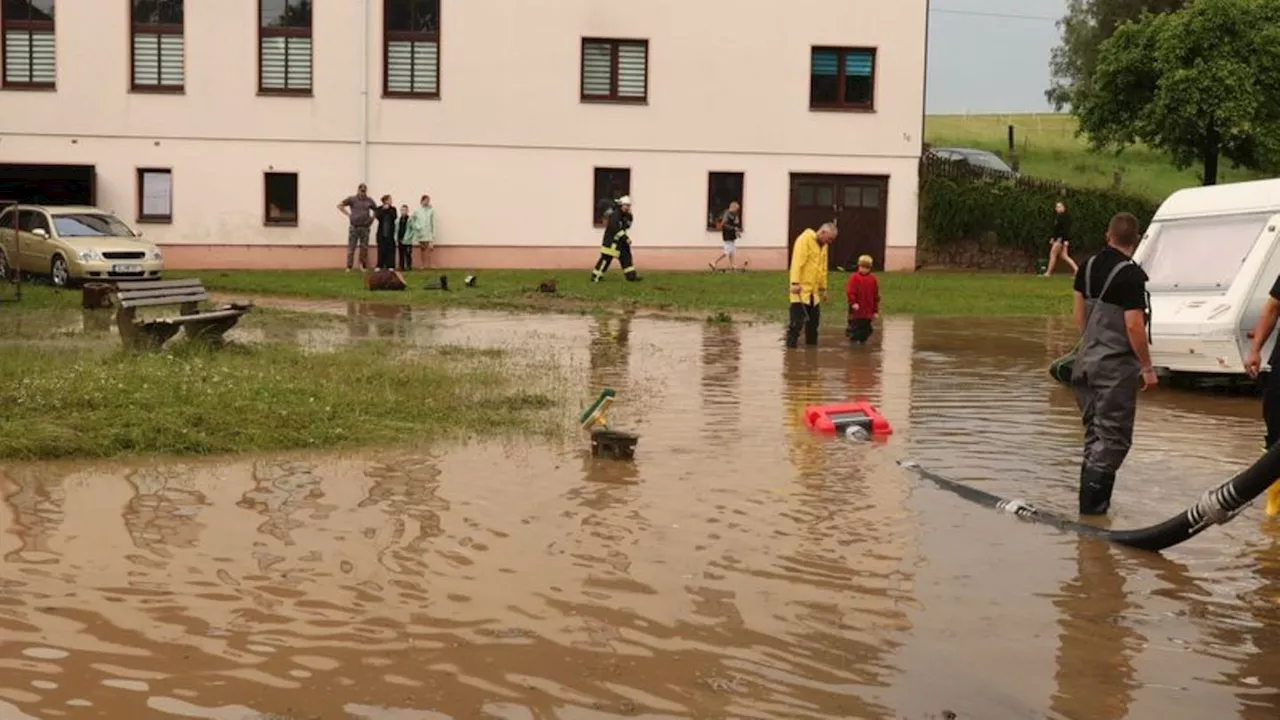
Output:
(1062, 227)
(731, 226)
(1274, 362)
(1128, 289)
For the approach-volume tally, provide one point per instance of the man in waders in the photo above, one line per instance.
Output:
(1113, 362)
(809, 266)
(1271, 392)
(616, 242)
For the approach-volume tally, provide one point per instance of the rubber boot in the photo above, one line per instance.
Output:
(1095, 491)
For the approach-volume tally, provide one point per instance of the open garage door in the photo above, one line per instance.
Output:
(48, 184)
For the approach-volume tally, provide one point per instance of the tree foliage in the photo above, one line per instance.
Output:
(1201, 83)
(1087, 24)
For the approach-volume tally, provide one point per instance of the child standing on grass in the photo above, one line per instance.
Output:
(863, 292)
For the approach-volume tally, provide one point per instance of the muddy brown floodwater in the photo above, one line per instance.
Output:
(739, 568)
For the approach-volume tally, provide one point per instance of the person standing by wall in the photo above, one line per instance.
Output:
(616, 242)
(1113, 362)
(1060, 242)
(387, 217)
(730, 231)
(359, 209)
(423, 230)
(809, 263)
(404, 241)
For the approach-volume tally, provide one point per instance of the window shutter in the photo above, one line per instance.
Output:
(825, 63)
(858, 64)
(413, 66)
(286, 63)
(597, 58)
(298, 65)
(158, 59)
(30, 57)
(631, 70)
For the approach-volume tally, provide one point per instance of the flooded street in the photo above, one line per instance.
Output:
(740, 567)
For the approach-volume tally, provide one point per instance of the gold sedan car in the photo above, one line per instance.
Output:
(74, 244)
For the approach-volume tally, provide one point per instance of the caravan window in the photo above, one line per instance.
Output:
(1201, 255)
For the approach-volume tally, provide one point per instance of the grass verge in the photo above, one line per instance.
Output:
(1048, 148)
(60, 402)
(755, 294)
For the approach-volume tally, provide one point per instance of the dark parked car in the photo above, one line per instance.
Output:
(982, 159)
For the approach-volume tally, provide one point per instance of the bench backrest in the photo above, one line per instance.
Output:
(159, 292)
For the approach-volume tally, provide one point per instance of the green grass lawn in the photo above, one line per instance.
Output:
(746, 295)
(69, 393)
(1048, 148)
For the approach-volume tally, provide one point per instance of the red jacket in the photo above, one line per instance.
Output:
(863, 291)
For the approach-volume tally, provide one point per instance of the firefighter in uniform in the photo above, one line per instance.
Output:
(1114, 361)
(616, 242)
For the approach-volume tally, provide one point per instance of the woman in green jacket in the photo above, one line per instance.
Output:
(422, 230)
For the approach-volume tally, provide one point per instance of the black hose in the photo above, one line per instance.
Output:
(1215, 507)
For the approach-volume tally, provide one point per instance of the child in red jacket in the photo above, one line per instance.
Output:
(864, 301)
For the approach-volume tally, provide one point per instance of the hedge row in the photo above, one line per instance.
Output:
(1016, 215)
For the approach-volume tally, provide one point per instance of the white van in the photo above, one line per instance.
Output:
(1211, 255)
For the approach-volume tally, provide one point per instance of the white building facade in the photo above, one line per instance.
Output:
(228, 130)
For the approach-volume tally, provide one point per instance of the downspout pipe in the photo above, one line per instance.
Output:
(366, 8)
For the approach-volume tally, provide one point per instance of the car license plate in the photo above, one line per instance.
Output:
(127, 268)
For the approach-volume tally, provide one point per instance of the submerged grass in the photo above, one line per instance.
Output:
(756, 294)
(76, 399)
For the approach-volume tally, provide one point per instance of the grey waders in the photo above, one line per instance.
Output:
(1106, 378)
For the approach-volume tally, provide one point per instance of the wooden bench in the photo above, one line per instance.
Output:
(150, 334)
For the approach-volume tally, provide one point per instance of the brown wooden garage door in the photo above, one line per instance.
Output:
(856, 203)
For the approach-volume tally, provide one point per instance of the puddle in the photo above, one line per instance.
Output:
(738, 568)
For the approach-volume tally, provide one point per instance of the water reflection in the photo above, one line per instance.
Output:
(721, 376)
(407, 492)
(35, 497)
(163, 514)
(1096, 646)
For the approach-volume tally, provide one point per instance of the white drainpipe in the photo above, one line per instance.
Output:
(366, 8)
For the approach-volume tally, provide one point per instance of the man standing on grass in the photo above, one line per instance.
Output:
(1113, 362)
(809, 266)
(616, 242)
(359, 209)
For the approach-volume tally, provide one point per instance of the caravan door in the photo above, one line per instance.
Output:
(1259, 291)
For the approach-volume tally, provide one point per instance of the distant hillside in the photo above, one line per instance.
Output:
(1047, 147)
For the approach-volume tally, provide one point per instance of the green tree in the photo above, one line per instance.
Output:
(1201, 84)
(1087, 24)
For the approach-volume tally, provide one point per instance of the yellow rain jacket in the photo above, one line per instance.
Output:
(809, 268)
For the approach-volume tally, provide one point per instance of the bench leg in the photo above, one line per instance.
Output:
(210, 332)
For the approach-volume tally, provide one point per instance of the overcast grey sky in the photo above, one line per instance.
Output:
(991, 56)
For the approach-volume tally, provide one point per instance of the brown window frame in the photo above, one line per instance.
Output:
(142, 216)
(841, 105)
(389, 36)
(28, 25)
(597, 215)
(712, 216)
(146, 28)
(288, 32)
(613, 97)
(266, 200)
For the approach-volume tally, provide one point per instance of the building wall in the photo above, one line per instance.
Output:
(508, 151)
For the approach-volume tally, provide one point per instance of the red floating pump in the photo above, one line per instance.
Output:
(838, 418)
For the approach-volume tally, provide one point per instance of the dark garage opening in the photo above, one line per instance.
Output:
(48, 184)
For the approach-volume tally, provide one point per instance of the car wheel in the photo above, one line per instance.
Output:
(59, 272)
(4, 266)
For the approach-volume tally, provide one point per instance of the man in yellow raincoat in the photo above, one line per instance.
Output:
(808, 283)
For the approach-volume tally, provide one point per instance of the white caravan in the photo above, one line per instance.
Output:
(1211, 255)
